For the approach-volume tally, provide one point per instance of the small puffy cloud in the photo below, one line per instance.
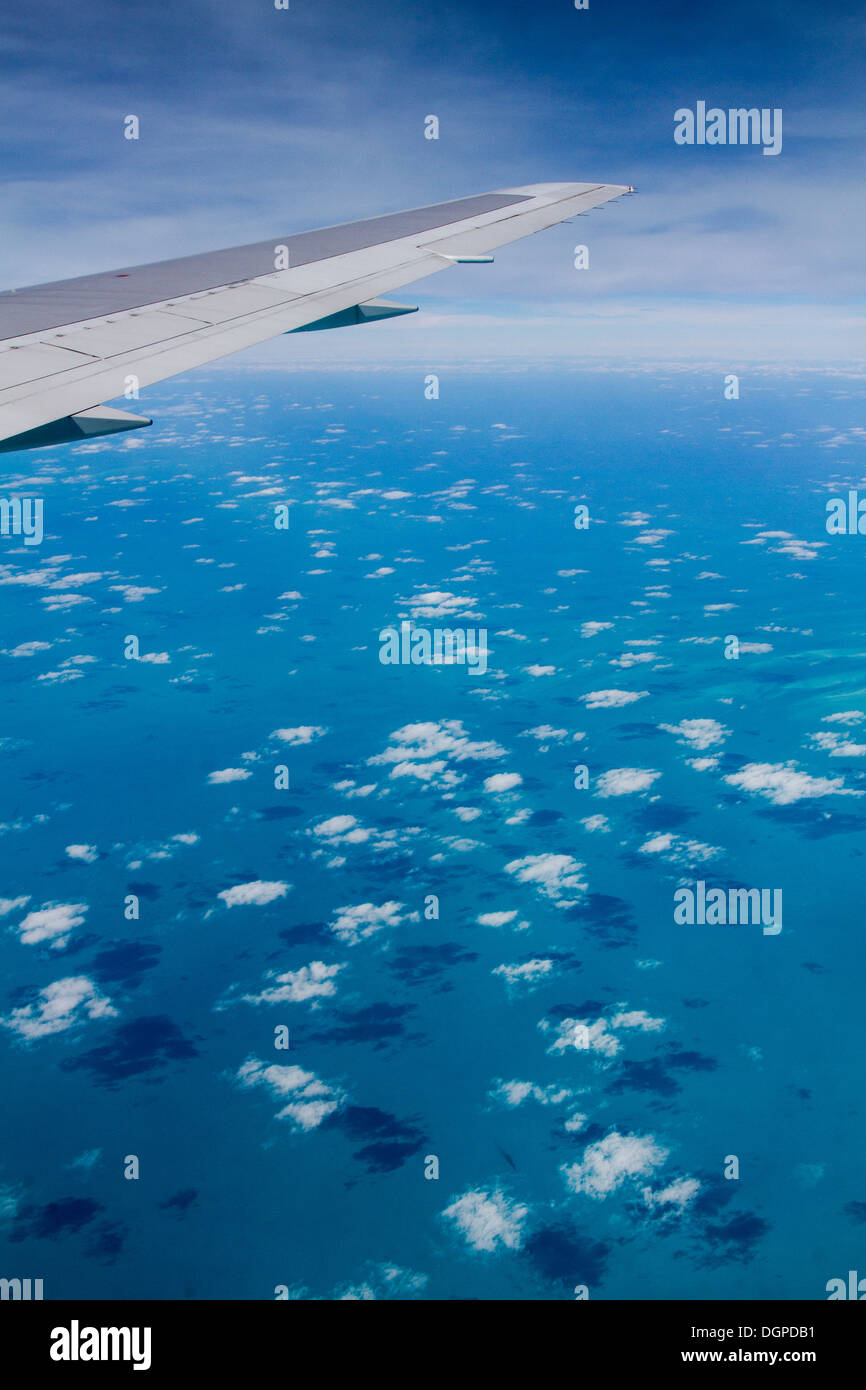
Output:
(676, 1196)
(87, 853)
(540, 670)
(845, 716)
(440, 603)
(612, 699)
(496, 919)
(637, 1018)
(305, 733)
(676, 849)
(313, 981)
(596, 824)
(156, 658)
(8, 905)
(354, 924)
(341, 830)
(528, 972)
(255, 894)
(608, 1163)
(782, 783)
(384, 1281)
(592, 629)
(488, 1219)
(837, 745)
(502, 782)
(59, 1006)
(133, 593)
(53, 922)
(557, 876)
(28, 649)
(310, 1100)
(622, 781)
(697, 733)
(514, 1093)
(545, 733)
(446, 739)
(228, 774)
(600, 1035)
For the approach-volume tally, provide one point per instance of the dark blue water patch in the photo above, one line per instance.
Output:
(66, 1216)
(388, 1142)
(607, 919)
(651, 1075)
(422, 965)
(138, 1048)
(180, 1202)
(105, 1244)
(545, 818)
(377, 1024)
(560, 1255)
(856, 1211)
(125, 962)
(305, 933)
(271, 813)
(736, 1239)
(149, 891)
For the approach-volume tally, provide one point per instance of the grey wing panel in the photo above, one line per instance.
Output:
(63, 302)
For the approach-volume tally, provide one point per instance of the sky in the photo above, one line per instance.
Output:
(257, 122)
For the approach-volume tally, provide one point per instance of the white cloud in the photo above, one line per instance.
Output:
(514, 1093)
(612, 699)
(496, 919)
(305, 733)
(28, 649)
(88, 853)
(488, 1219)
(622, 781)
(8, 905)
(596, 824)
(676, 849)
(677, 1195)
(53, 922)
(502, 782)
(311, 1100)
(255, 894)
(697, 733)
(609, 1162)
(540, 670)
(529, 972)
(313, 981)
(59, 1006)
(354, 924)
(782, 784)
(555, 875)
(228, 774)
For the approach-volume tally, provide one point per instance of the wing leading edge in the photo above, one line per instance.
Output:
(67, 347)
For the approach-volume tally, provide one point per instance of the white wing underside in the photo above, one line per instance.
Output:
(68, 354)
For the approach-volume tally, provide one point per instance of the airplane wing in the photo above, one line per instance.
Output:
(68, 346)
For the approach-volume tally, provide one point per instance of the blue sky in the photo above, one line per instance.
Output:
(256, 121)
